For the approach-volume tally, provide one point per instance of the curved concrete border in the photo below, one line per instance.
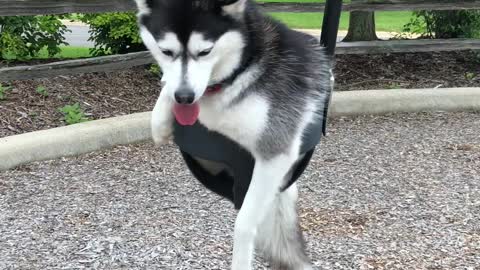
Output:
(101, 134)
(73, 140)
(402, 100)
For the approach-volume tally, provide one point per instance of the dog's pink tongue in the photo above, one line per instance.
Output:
(186, 115)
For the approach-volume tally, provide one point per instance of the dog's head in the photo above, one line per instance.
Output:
(196, 42)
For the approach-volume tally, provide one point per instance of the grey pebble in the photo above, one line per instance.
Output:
(382, 192)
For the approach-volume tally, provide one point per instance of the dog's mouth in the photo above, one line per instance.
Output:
(213, 89)
(187, 115)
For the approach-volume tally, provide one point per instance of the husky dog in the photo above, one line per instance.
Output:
(253, 80)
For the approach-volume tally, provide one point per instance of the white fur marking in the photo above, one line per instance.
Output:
(224, 57)
(172, 76)
(171, 67)
(197, 43)
(198, 76)
(229, 50)
(243, 122)
(266, 182)
(143, 8)
(222, 60)
(278, 234)
(151, 43)
(170, 42)
(236, 9)
(162, 119)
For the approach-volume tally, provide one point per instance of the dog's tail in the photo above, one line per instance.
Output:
(280, 236)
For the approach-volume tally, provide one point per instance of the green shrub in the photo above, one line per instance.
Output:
(114, 33)
(155, 70)
(23, 37)
(470, 76)
(73, 114)
(42, 90)
(445, 24)
(3, 91)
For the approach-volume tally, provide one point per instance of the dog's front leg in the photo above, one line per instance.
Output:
(268, 177)
(162, 119)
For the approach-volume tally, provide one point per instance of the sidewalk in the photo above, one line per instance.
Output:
(313, 32)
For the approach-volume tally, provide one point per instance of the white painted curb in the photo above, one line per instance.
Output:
(73, 140)
(101, 134)
(402, 100)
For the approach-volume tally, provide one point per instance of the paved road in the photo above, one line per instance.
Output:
(79, 35)
(387, 192)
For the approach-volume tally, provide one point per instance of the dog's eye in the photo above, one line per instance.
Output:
(204, 52)
(168, 53)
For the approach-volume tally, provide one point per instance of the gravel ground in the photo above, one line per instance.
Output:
(384, 192)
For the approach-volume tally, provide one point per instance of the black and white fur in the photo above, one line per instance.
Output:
(275, 81)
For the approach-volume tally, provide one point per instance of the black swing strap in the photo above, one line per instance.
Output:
(328, 39)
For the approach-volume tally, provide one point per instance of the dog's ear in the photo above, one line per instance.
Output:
(234, 8)
(144, 6)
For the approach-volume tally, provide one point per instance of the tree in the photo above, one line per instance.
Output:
(361, 26)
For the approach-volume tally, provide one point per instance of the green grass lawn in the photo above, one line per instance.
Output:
(75, 16)
(391, 21)
(385, 21)
(67, 52)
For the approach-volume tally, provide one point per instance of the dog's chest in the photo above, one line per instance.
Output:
(243, 122)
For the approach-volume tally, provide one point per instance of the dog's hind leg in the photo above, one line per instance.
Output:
(280, 237)
(267, 180)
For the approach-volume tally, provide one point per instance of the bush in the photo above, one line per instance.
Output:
(42, 90)
(22, 37)
(445, 24)
(73, 114)
(114, 33)
(3, 91)
(155, 70)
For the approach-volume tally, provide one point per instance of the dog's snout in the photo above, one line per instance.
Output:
(184, 96)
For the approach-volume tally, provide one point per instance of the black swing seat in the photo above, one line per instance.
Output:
(203, 150)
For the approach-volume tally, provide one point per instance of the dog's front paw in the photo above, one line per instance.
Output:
(161, 135)
(241, 264)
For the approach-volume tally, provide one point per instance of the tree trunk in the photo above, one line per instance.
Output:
(361, 26)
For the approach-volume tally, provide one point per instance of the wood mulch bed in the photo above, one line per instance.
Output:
(103, 95)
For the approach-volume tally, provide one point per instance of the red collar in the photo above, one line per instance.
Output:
(213, 89)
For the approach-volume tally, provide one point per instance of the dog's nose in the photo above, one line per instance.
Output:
(184, 96)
